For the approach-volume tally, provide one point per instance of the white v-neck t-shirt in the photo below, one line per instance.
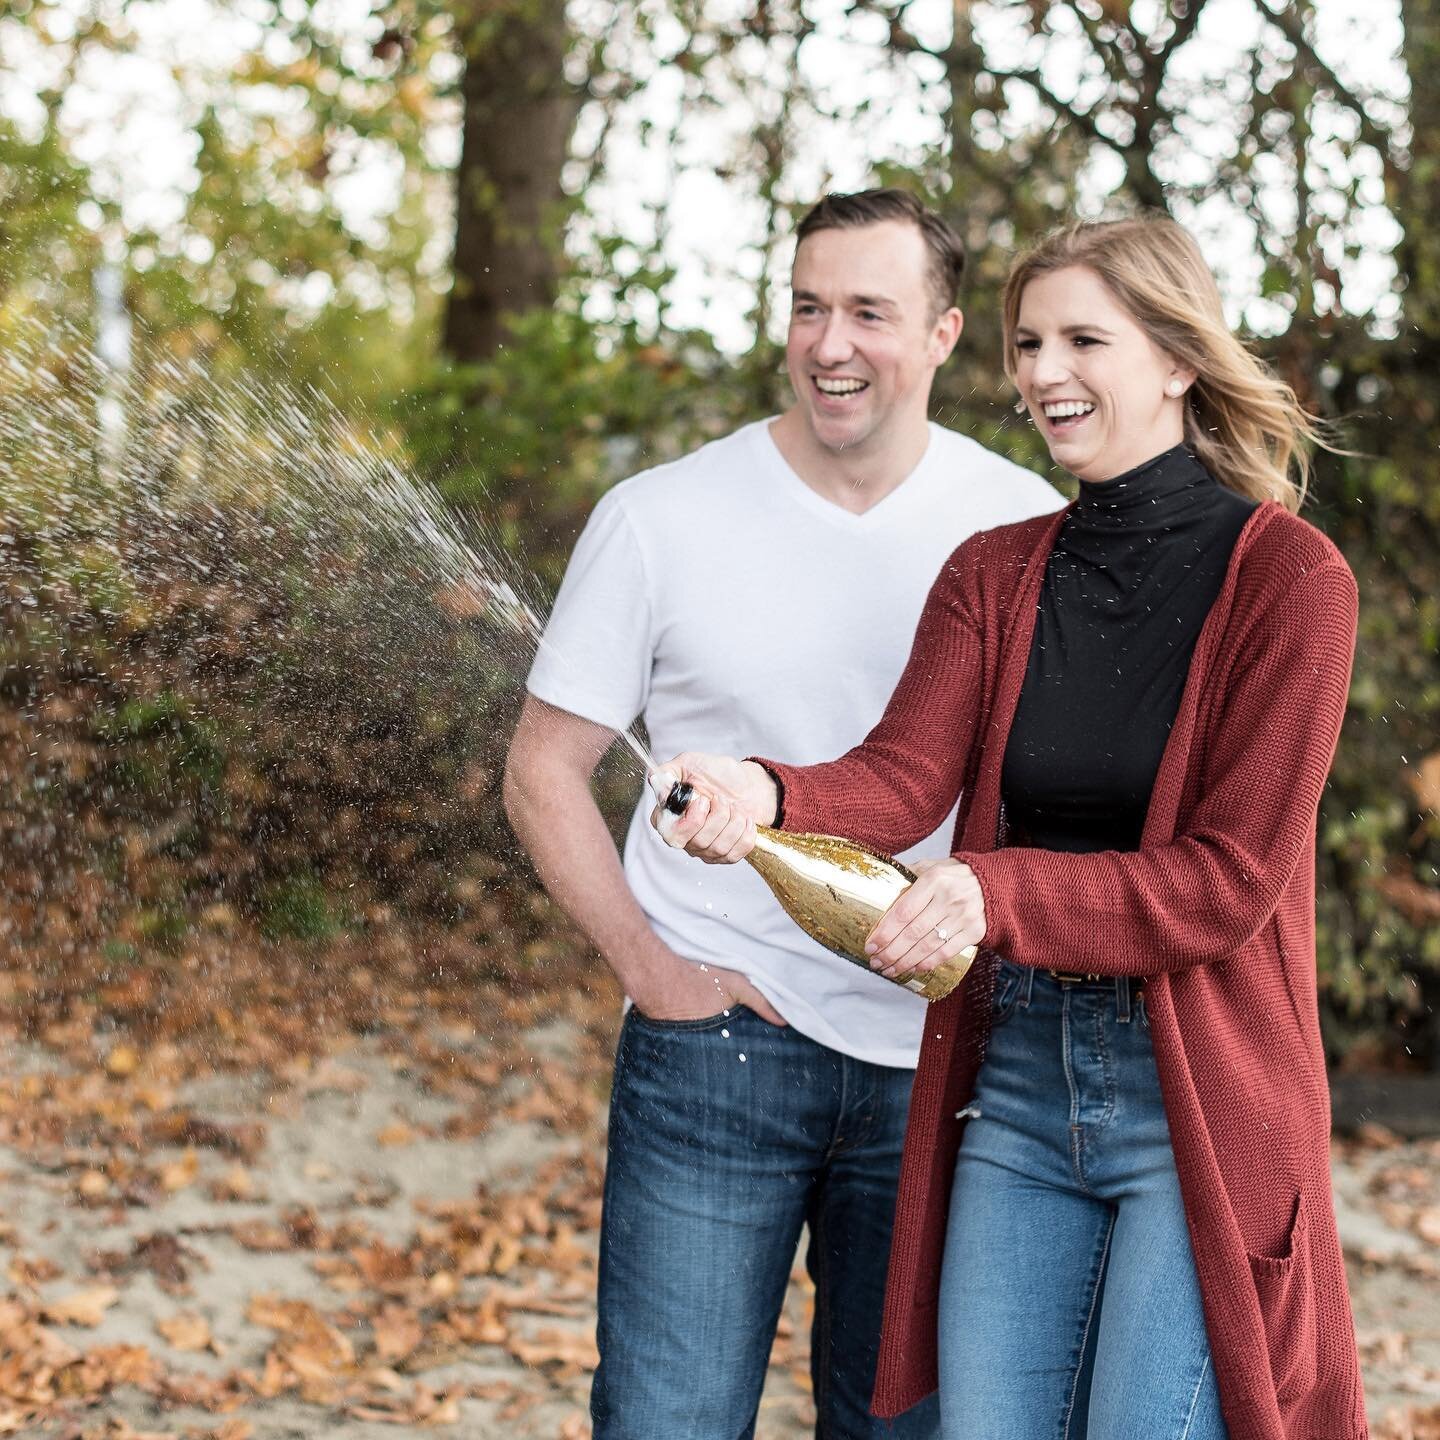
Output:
(741, 613)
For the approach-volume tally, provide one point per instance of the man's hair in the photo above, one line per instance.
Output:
(945, 249)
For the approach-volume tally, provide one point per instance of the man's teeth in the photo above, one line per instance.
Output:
(840, 387)
(1064, 409)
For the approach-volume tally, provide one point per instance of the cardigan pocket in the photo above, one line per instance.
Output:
(1286, 1289)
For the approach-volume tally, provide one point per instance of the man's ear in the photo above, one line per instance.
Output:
(945, 334)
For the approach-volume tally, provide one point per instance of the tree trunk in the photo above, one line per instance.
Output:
(519, 112)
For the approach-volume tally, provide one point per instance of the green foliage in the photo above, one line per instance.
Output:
(297, 908)
(532, 437)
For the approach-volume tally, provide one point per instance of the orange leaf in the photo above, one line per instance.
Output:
(564, 1347)
(397, 1332)
(84, 1307)
(122, 1062)
(186, 1331)
(180, 1173)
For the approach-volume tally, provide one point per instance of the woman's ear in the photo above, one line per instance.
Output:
(1180, 379)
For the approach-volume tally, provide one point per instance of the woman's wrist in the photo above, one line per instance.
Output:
(768, 793)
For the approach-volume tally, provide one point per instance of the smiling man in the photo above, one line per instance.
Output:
(758, 596)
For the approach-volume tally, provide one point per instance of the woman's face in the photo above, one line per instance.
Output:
(1104, 396)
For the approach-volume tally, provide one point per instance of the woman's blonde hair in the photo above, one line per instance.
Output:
(1243, 422)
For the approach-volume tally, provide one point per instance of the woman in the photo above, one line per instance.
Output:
(1119, 1129)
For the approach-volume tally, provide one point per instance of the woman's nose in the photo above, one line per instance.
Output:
(1049, 368)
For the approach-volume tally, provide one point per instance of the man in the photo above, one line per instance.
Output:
(759, 595)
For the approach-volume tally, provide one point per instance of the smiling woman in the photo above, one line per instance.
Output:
(1104, 395)
(1116, 337)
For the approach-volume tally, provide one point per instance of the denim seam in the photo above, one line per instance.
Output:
(1077, 1132)
(842, 1105)
(1195, 1398)
(1107, 1070)
(820, 1325)
(1097, 1270)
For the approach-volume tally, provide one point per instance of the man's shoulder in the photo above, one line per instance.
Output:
(682, 482)
(995, 474)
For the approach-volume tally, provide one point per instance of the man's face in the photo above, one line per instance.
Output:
(864, 339)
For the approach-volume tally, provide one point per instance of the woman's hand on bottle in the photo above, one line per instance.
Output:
(940, 915)
(731, 798)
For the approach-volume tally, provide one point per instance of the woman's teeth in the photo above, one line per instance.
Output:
(1068, 409)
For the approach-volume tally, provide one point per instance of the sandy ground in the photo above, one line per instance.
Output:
(335, 1190)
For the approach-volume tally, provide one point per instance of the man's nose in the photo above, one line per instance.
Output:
(835, 344)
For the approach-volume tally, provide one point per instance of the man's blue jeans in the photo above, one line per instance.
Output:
(727, 1135)
(1069, 1305)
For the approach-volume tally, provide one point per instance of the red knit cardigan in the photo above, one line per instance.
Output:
(1216, 908)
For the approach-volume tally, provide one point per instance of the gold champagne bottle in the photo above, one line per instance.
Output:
(836, 891)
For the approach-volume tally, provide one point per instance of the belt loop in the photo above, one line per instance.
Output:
(1122, 998)
(1027, 987)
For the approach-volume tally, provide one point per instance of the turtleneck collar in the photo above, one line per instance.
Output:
(1147, 485)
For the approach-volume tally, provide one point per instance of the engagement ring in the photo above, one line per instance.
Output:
(942, 932)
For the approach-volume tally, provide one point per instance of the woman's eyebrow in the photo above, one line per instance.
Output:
(1069, 330)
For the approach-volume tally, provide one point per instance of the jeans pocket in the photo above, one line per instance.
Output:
(1285, 1286)
(704, 1022)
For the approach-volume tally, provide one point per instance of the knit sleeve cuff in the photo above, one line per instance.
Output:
(778, 823)
(995, 877)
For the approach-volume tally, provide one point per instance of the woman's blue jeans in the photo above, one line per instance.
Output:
(1069, 1305)
(727, 1137)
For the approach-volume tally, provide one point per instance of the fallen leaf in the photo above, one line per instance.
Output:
(552, 1346)
(28, 1273)
(84, 1307)
(235, 1184)
(398, 1332)
(179, 1173)
(93, 1185)
(122, 1061)
(186, 1331)
(1427, 1225)
(262, 1235)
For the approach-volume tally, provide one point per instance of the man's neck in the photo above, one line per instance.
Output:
(855, 480)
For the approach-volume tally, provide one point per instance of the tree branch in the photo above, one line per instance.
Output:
(1292, 26)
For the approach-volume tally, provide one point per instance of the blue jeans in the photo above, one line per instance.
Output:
(1069, 1305)
(727, 1135)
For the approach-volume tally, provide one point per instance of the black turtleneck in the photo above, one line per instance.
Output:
(1136, 567)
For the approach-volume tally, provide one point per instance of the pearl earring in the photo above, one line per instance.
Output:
(1175, 389)
(1020, 407)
